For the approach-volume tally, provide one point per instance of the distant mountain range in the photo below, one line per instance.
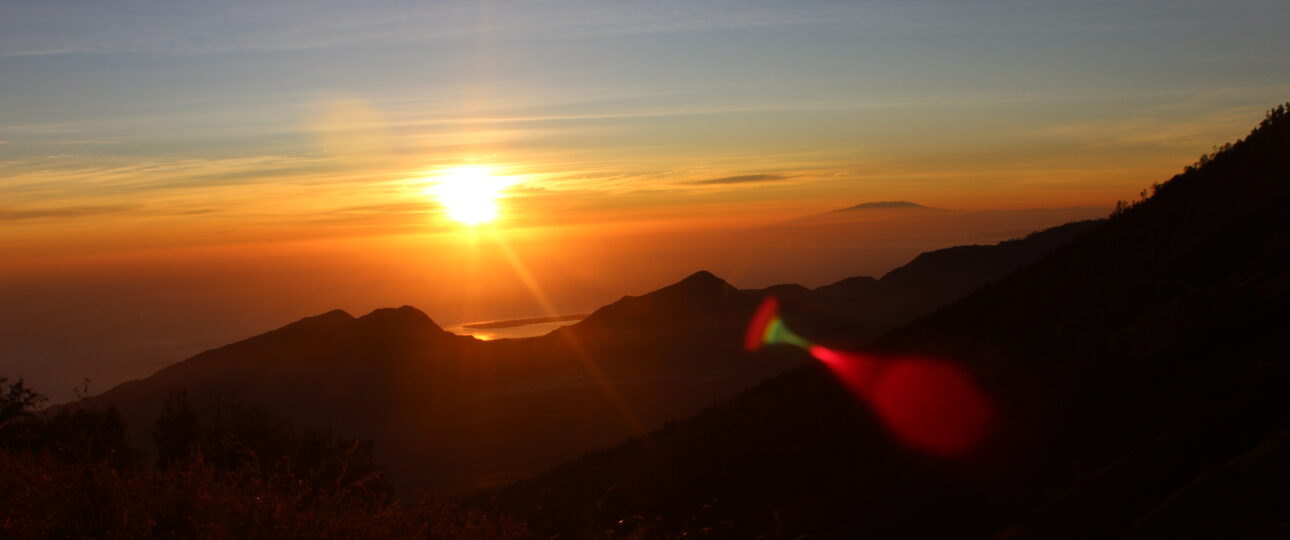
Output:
(1141, 376)
(451, 412)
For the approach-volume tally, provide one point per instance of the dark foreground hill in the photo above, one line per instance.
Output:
(1140, 379)
(451, 412)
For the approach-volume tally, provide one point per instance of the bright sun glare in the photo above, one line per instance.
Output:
(469, 194)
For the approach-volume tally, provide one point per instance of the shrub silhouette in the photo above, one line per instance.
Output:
(232, 436)
(234, 471)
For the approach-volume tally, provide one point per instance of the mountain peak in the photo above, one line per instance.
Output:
(701, 286)
(703, 277)
(699, 292)
(699, 283)
(402, 315)
(883, 205)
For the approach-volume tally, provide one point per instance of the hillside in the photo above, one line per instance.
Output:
(449, 411)
(928, 282)
(1139, 375)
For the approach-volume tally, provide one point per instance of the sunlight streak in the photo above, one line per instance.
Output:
(580, 352)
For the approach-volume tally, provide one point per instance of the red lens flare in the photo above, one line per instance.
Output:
(856, 370)
(768, 310)
(928, 405)
(932, 406)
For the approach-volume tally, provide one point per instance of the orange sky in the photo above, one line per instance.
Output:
(356, 185)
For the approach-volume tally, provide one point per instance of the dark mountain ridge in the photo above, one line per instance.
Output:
(451, 412)
(1140, 375)
(861, 307)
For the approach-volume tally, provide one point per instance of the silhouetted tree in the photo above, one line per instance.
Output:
(177, 432)
(17, 401)
(71, 434)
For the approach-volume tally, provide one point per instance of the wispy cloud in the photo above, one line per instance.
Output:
(19, 214)
(292, 25)
(742, 179)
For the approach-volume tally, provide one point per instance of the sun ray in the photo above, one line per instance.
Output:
(521, 271)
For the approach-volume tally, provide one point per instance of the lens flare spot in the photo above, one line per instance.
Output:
(855, 370)
(929, 405)
(767, 311)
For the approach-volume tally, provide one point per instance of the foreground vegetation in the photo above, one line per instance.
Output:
(231, 472)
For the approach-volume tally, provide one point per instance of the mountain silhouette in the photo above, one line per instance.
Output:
(451, 412)
(1139, 376)
(883, 205)
(870, 211)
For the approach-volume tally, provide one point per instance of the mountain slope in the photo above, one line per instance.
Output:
(449, 411)
(1134, 371)
(931, 280)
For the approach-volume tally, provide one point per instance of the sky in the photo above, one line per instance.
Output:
(193, 172)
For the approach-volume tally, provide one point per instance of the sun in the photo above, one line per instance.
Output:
(469, 194)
